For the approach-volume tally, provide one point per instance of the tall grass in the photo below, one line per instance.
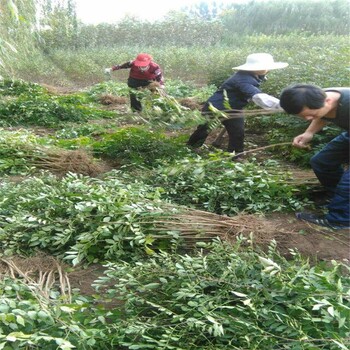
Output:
(187, 47)
(319, 59)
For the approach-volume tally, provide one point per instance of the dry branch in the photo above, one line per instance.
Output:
(195, 225)
(40, 273)
(60, 162)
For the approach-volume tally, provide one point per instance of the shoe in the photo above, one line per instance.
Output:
(320, 221)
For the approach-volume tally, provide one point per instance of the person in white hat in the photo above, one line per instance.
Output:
(241, 88)
(143, 71)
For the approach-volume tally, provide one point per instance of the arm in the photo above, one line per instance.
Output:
(159, 76)
(122, 66)
(301, 141)
(266, 101)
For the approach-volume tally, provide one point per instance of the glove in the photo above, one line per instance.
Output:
(108, 70)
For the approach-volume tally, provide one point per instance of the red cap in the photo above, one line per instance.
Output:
(143, 60)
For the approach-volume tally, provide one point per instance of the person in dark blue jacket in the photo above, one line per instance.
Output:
(241, 88)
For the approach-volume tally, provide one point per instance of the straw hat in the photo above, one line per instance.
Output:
(260, 61)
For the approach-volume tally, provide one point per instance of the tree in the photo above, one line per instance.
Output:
(205, 11)
(284, 17)
(59, 25)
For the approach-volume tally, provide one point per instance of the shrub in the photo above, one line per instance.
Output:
(9, 87)
(139, 145)
(224, 298)
(219, 185)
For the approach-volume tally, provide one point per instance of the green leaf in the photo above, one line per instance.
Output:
(20, 320)
(151, 286)
(67, 309)
(241, 295)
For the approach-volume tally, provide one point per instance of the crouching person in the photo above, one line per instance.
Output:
(143, 72)
(321, 106)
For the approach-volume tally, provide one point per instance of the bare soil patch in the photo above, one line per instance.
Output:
(312, 241)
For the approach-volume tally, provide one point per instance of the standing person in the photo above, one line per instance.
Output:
(241, 88)
(143, 71)
(321, 106)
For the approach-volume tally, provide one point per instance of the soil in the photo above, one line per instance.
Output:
(312, 241)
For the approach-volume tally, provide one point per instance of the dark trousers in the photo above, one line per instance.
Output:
(135, 104)
(328, 167)
(235, 131)
(133, 83)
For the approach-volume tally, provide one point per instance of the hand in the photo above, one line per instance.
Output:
(302, 141)
(108, 70)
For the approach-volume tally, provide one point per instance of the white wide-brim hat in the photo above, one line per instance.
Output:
(260, 61)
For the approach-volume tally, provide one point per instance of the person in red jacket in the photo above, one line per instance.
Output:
(143, 71)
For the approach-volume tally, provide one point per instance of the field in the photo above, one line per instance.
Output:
(116, 235)
(93, 192)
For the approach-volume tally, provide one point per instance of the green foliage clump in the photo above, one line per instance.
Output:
(224, 187)
(9, 87)
(31, 318)
(80, 218)
(72, 131)
(218, 298)
(46, 110)
(80, 98)
(164, 110)
(139, 145)
(179, 89)
(223, 298)
(108, 88)
(33, 105)
(16, 148)
(40, 110)
(302, 156)
(283, 128)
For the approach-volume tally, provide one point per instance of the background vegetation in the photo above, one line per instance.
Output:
(199, 44)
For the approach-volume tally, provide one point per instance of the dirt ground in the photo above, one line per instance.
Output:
(310, 240)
